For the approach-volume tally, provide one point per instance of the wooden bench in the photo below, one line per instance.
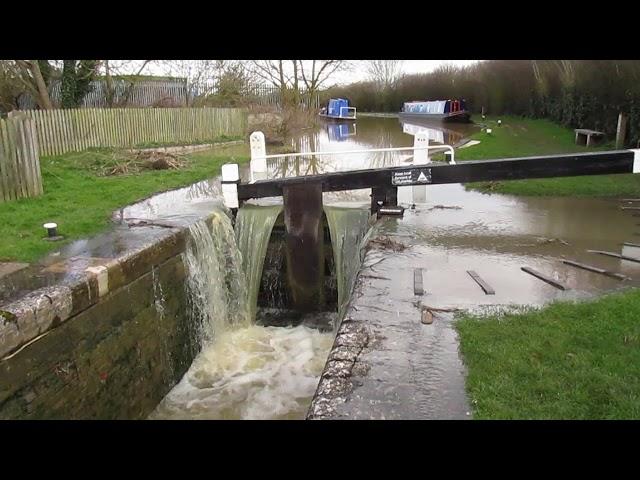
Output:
(587, 137)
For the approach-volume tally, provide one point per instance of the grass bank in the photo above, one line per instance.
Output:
(81, 200)
(522, 137)
(218, 139)
(565, 361)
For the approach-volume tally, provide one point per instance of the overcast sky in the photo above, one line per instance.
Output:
(408, 66)
(358, 73)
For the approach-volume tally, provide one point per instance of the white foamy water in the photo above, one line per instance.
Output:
(242, 371)
(251, 373)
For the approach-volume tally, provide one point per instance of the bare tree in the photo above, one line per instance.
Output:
(118, 68)
(199, 75)
(29, 73)
(316, 73)
(290, 75)
(385, 73)
(273, 72)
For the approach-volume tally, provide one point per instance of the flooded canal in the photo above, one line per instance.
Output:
(246, 370)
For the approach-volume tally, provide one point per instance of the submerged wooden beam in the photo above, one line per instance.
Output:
(598, 163)
(617, 255)
(488, 290)
(418, 288)
(591, 268)
(304, 245)
(543, 277)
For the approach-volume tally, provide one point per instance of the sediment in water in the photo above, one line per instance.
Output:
(253, 229)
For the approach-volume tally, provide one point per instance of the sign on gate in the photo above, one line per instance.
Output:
(411, 177)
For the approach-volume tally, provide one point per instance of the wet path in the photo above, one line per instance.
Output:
(385, 363)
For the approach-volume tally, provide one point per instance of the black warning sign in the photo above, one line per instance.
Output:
(411, 177)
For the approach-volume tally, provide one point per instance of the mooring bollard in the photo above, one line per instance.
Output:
(258, 152)
(52, 232)
(421, 157)
(52, 229)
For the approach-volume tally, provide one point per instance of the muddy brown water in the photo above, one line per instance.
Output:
(494, 235)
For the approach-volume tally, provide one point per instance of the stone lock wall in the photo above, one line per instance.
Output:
(115, 360)
(81, 353)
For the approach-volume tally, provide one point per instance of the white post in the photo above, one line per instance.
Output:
(421, 157)
(258, 152)
(636, 160)
(230, 179)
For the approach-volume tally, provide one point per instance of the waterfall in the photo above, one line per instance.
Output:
(215, 282)
(253, 230)
(348, 227)
(252, 371)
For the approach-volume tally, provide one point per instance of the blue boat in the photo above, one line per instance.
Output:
(338, 109)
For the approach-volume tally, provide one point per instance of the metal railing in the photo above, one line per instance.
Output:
(449, 148)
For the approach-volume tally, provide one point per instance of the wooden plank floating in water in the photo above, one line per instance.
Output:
(484, 285)
(417, 282)
(617, 255)
(543, 277)
(591, 268)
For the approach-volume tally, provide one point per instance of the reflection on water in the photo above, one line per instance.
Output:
(339, 132)
(368, 133)
(437, 134)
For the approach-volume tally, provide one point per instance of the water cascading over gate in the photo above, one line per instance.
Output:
(253, 231)
(216, 284)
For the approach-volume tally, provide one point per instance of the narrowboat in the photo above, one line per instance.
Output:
(440, 110)
(338, 109)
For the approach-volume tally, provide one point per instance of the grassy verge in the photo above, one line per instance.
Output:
(81, 201)
(219, 139)
(520, 137)
(566, 361)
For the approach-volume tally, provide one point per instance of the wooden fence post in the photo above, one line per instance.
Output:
(621, 132)
(19, 158)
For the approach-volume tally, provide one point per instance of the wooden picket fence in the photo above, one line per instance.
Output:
(61, 131)
(19, 159)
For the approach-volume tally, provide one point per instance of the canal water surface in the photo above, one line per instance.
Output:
(246, 370)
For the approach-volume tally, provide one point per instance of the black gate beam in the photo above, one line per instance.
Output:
(570, 165)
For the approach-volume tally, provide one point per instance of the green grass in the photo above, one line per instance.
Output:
(566, 361)
(521, 137)
(218, 139)
(81, 202)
